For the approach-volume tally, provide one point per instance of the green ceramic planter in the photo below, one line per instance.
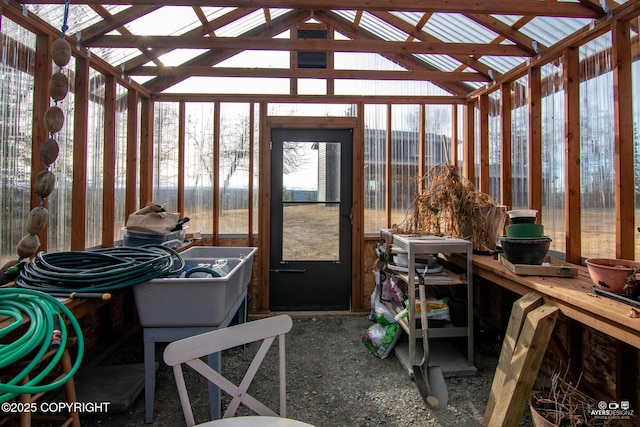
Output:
(525, 230)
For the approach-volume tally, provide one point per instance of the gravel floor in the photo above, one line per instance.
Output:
(332, 381)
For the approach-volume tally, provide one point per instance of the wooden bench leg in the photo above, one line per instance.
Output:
(70, 389)
(513, 385)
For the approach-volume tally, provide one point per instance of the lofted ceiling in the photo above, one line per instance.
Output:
(458, 46)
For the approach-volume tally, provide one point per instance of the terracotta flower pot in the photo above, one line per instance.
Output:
(536, 419)
(614, 275)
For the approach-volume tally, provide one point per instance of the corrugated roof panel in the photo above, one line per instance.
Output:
(115, 57)
(502, 64)
(79, 18)
(364, 61)
(441, 62)
(179, 56)
(258, 59)
(547, 30)
(375, 26)
(457, 28)
(174, 20)
(248, 23)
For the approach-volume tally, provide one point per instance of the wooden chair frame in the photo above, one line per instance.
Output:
(189, 351)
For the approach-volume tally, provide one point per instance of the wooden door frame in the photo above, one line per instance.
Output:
(264, 197)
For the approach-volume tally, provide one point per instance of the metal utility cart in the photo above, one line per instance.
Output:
(443, 354)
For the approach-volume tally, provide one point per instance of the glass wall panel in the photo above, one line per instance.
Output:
(404, 160)
(520, 143)
(198, 171)
(437, 134)
(318, 110)
(495, 137)
(255, 170)
(16, 112)
(460, 145)
(122, 115)
(95, 159)
(553, 155)
(375, 173)
(165, 156)
(234, 168)
(597, 190)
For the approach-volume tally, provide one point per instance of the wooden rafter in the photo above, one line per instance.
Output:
(104, 13)
(508, 32)
(467, 60)
(409, 62)
(213, 57)
(308, 45)
(501, 7)
(186, 71)
(139, 61)
(114, 22)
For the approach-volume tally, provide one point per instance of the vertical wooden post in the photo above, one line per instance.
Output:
(80, 129)
(506, 172)
(573, 226)
(264, 200)
(623, 129)
(484, 144)
(535, 140)
(468, 143)
(109, 163)
(357, 210)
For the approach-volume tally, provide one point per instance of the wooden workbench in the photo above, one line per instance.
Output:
(574, 297)
(616, 364)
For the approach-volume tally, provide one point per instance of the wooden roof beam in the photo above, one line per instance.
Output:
(205, 71)
(104, 13)
(227, 18)
(308, 45)
(467, 60)
(278, 25)
(343, 26)
(501, 7)
(509, 33)
(113, 22)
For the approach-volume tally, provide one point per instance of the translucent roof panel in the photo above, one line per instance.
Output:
(258, 59)
(79, 17)
(441, 62)
(175, 20)
(241, 85)
(547, 30)
(115, 57)
(502, 64)
(375, 26)
(248, 23)
(457, 28)
(179, 56)
(364, 61)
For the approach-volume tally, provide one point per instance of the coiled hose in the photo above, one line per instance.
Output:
(45, 331)
(98, 270)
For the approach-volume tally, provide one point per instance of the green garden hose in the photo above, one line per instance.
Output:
(45, 331)
(99, 270)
